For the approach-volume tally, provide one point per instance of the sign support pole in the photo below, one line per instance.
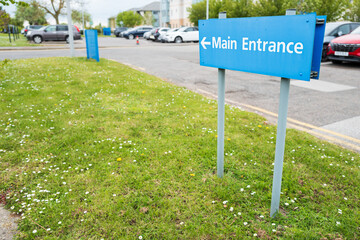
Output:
(9, 33)
(221, 122)
(221, 116)
(280, 145)
(280, 139)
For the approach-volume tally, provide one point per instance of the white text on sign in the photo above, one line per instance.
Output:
(258, 45)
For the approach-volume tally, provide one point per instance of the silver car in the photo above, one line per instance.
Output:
(52, 33)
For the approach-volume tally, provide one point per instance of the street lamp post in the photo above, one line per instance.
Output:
(207, 9)
(70, 28)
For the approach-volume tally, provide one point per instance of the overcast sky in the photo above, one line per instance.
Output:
(100, 10)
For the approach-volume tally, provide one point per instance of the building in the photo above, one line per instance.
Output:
(165, 13)
(178, 12)
(151, 9)
(112, 23)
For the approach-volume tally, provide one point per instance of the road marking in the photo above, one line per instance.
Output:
(322, 86)
(299, 125)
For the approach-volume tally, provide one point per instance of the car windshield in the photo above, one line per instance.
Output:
(331, 26)
(356, 31)
(182, 29)
(42, 28)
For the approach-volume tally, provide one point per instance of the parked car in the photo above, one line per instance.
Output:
(147, 35)
(137, 32)
(184, 34)
(119, 30)
(156, 34)
(165, 37)
(345, 48)
(30, 27)
(52, 33)
(334, 30)
(124, 32)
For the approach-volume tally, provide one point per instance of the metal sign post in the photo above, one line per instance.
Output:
(268, 46)
(221, 116)
(9, 33)
(280, 139)
(280, 145)
(13, 32)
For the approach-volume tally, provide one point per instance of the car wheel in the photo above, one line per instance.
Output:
(67, 39)
(131, 37)
(324, 53)
(178, 40)
(37, 39)
(336, 61)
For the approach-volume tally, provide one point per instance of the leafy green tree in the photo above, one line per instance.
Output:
(354, 11)
(32, 13)
(4, 19)
(129, 19)
(333, 9)
(53, 7)
(8, 2)
(269, 8)
(241, 8)
(77, 17)
(233, 8)
(148, 18)
(197, 11)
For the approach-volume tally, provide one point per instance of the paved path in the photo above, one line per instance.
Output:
(7, 224)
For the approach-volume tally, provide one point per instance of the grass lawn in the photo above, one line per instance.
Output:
(98, 150)
(20, 42)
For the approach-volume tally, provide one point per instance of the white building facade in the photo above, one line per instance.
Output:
(177, 13)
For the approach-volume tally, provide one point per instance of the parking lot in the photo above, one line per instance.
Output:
(328, 108)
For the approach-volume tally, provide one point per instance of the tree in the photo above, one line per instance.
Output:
(333, 9)
(53, 7)
(4, 18)
(237, 8)
(32, 13)
(148, 18)
(77, 17)
(197, 11)
(354, 12)
(269, 8)
(129, 19)
(8, 2)
(233, 8)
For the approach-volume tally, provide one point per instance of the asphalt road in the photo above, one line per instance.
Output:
(328, 108)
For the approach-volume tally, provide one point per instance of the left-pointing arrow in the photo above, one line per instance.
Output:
(203, 43)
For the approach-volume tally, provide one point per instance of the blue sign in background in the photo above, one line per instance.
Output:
(92, 47)
(297, 30)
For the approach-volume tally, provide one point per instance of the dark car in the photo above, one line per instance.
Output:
(345, 48)
(334, 30)
(52, 33)
(158, 31)
(119, 30)
(31, 27)
(137, 32)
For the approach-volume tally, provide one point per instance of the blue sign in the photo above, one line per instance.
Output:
(107, 31)
(92, 47)
(280, 46)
